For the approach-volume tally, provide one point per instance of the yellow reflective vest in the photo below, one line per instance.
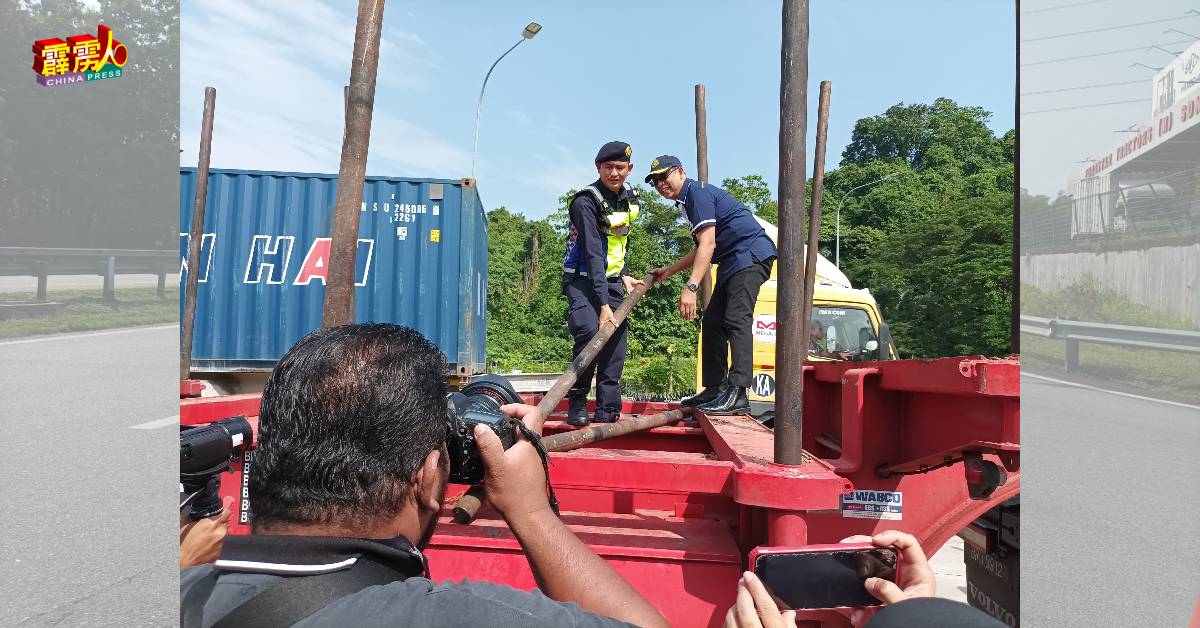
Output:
(614, 223)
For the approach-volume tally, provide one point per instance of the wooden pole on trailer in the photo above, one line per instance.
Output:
(187, 325)
(706, 287)
(343, 250)
(792, 346)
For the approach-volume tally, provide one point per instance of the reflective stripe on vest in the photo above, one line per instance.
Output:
(614, 224)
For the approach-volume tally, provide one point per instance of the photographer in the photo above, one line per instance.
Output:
(347, 485)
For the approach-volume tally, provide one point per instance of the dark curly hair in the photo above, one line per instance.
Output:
(348, 415)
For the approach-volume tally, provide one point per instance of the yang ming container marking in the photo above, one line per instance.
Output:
(422, 262)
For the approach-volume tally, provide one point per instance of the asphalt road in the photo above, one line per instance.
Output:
(86, 503)
(1110, 497)
(1109, 493)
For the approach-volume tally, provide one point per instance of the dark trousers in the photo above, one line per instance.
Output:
(583, 315)
(726, 331)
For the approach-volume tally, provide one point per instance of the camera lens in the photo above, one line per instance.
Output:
(489, 392)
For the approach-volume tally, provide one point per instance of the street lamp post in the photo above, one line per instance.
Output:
(837, 253)
(530, 30)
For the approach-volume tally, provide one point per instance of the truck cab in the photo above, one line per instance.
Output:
(850, 322)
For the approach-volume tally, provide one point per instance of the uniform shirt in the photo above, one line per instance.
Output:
(741, 241)
(587, 249)
(415, 601)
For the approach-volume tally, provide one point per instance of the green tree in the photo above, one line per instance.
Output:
(79, 148)
(945, 282)
(927, 137)
(752, 190)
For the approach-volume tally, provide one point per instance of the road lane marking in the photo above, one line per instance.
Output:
(157, 423)
(1111, 392)
(89, 334)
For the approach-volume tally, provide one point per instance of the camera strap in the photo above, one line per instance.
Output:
(297, 597)
(545, 455)
(316, 572)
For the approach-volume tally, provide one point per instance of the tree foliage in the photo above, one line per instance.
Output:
(752, 190)
(925, 193)
(91, 165)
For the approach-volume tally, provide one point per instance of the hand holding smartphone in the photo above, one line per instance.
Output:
(825, 576)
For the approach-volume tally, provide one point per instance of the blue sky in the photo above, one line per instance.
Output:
(596, 72)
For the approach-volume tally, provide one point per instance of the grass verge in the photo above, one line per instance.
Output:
(1170, 375)
(86, 310)
(1163, 373)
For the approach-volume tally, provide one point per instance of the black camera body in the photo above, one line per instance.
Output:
(204, 454)
(478, 403)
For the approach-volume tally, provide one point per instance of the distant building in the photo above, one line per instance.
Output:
(1149, 184)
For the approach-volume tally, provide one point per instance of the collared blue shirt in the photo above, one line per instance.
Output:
(741, 241)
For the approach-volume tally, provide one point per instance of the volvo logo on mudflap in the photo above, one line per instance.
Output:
(764, 385)
(984, 602)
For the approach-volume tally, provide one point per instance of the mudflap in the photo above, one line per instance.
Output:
(993, 561)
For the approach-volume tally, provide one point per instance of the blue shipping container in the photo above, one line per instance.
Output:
(422, 262)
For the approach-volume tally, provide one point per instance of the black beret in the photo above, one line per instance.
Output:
(614, 151)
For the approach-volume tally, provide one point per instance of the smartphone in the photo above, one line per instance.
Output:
(824, 576)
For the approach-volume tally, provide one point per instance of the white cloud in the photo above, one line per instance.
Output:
(279, 78)
(560, 172)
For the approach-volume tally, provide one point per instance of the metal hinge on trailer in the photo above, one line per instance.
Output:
(983, 476)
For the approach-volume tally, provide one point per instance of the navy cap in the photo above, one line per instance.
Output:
(614, 151)
(662, 164)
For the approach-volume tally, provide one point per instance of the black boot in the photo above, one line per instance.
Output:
(732, 400)
(577, 414)
(606, 416)
(707, 395)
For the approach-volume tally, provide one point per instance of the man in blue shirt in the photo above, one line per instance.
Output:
(594, 272)
(727, 234)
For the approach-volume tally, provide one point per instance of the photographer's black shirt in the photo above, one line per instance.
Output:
(252, 564)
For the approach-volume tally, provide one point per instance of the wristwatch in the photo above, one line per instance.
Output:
(693, 287)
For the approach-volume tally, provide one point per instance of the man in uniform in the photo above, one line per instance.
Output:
(725, 233)
(593, 275)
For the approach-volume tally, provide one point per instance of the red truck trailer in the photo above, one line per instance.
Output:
(923, 446)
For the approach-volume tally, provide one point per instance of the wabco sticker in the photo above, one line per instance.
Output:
(873, 505)
(765, 328)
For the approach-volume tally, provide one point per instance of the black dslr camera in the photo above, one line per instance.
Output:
(478, 403)
(204, 454)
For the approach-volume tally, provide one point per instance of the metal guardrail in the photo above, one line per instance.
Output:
(1035, 325)
(1127, 336)
(1075, 332)
(107, 263)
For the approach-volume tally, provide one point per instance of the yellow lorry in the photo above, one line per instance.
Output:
(851, 325)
